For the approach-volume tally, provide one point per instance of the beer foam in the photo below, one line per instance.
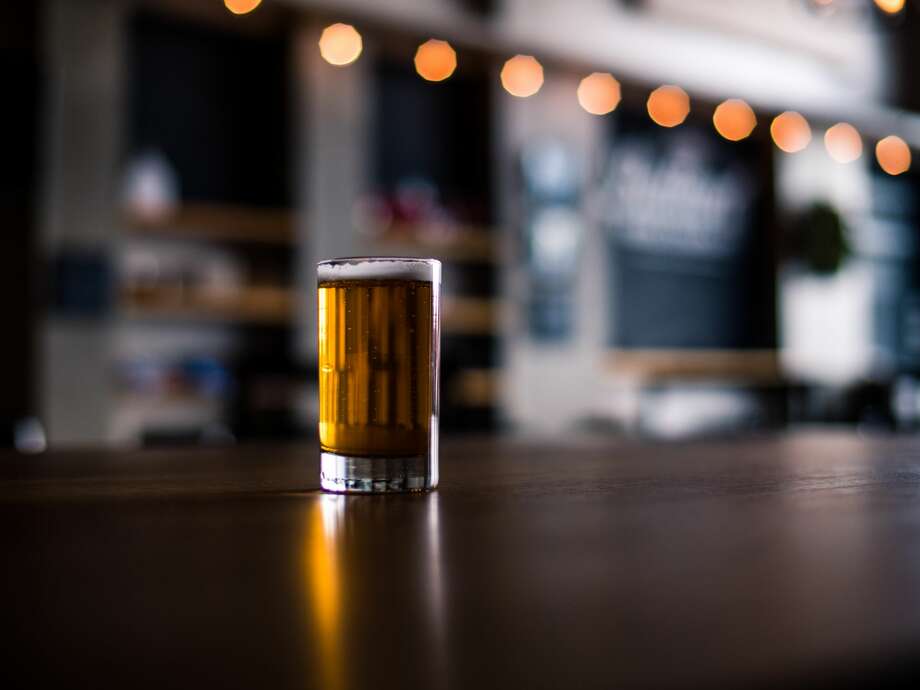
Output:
(358, 268)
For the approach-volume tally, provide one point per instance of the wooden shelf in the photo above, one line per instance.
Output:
(256, 305)
(464, 243)
(756, 366)
(169, 399)
(475, 388)
(459, 315)
(218, 223)
(136, 413)
(469, 315)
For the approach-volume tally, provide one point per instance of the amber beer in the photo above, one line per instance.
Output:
(378, 369)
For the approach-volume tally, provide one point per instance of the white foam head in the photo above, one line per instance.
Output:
(378, 268)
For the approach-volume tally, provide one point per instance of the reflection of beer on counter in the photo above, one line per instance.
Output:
(375, 351)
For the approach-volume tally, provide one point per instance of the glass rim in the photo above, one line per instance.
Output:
(379, 268)
(380, 259)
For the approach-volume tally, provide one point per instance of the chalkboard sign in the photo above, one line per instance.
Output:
(685, 216)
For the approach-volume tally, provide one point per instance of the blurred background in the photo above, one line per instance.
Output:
(656, 217)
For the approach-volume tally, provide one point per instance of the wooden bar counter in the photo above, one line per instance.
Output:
(764, 562)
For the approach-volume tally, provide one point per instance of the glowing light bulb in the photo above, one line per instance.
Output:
(893, 155)
(340, 44)
(599, 93)
(668, 105)
(790, 131)
(890, 6)
(241, 6)
(734, 119)
(435, 60)
(843, 143)
(522, 76)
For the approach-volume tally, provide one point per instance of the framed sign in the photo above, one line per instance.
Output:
(685, 215)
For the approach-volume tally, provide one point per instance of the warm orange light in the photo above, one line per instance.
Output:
(599, 93)
(843, 143)
(522, 76)
(340, 44)
(890, 6)
(790, 132)
(241, 6)
(435, 60)
(323, 571)
(893, 155)
(668, 105)
(734, 119)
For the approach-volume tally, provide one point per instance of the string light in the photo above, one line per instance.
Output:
(522, 76)
(599, 93)
(790, 131)
(843, 142)
(340, 44)
(435, 60)
(890, 6)
(668, 105)
(734, 119)
(893, 155)
(241, 6)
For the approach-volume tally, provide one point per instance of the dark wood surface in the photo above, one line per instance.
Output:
(785, 561)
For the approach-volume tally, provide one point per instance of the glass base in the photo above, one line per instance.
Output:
(368, 475)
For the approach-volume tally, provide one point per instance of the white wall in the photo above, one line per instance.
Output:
(334, 103)
(82, 131)
(546, 387)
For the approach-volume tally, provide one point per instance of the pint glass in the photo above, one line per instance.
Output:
(378, 347)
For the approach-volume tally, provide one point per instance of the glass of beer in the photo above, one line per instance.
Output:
(379, 351)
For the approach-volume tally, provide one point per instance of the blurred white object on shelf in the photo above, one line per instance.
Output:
(151, 187)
